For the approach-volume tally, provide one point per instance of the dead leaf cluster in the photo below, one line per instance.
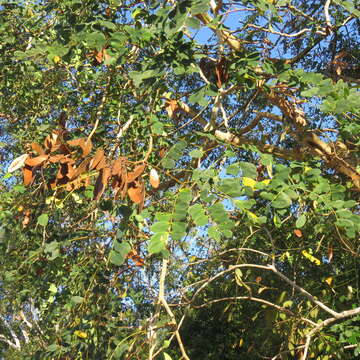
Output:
(76, 166)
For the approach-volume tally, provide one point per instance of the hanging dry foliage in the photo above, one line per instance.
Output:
(101, 182)
(36, 161)
(132, 176)
(28, 175)
(84, 143)
(37, 148)
(97, 160)
(136, 192)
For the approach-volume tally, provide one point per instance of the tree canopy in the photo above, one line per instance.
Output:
(180, 179)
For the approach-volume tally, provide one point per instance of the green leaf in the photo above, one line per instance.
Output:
(53, 288)
(248, 169)
(233, 169)
(52, 247)
(43, 219)
(77, 299)
(199, 6)
(158, 243)
(291, 193)
(118, 40)
(53, 347)
(300, 222)
(140, 76)
(201, 220)
(195, 209)
(218, 212)
(267, 196)
(193, 22)
(197, 153)
(244, 204)
(163, 217)
(95, 40)
(281, 201)
(200, 97)
(214, 233)
(122, 249)
(178, 230)
(161, 226)
(231, 187)
(115, 258)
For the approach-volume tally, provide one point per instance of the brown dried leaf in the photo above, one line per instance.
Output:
(99, 56)
(135, 194)
(26, 218)
(133, 255)
(117, 166)
(172, 107)
(28, 175)
(62, 120)
(221, 72)
(87, 147)
(162, 152)
(18, 163)
(76, 142)
(52, 142)
(139, 262)
(154, 178)
(67, 160)
(120, 186)
(99, 155)
(87, 181)
(330, 253)
(63, 170)
(52, 184)
(36, 161)
(56, 158)
(70, 171)
(37, 148)
(132, 176)
(64, 149)
(298, 233)
(101, 164)
(84, 143)
(101, 182)
(107, 57)
(83, 167)
(123, 185)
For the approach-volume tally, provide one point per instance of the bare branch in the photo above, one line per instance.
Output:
(11, 344)
(167, 307)
(303, 291)
(252, 298)
(303, 31)
(327, 16)
(338, 316)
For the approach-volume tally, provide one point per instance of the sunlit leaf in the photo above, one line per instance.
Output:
(17, 163)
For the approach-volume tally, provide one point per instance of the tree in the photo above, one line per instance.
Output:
(181, 179)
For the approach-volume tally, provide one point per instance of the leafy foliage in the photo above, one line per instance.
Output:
(180, 179)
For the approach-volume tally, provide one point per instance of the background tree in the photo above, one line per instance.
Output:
(180, 179)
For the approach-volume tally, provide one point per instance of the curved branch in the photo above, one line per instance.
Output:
(252, 298)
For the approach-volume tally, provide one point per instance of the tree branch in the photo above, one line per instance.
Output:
(251, 298)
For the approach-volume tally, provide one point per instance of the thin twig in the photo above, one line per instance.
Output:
(306, 30)
(252, 298)
(327, 16)
(100, 109)
(163, 301)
